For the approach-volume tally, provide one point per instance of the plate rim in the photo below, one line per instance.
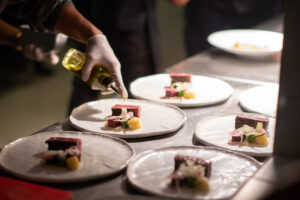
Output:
(253, 110)
(261, 155)
(182, 105)
(244, 53)
(68, 180)
(139, 135)
(145, 153)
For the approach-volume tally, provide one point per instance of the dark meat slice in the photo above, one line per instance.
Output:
(236, 136)
(70, 145)
(117, 110)
(60, 143)
(181, 77)
(170, 92)
(114, 122)
(250, 120)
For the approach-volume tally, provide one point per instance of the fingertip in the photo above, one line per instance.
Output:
(125, 94)
(84, 77)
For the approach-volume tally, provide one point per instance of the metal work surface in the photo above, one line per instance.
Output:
(117, 185)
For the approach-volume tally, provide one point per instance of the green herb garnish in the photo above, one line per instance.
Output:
(190, 181)
(251, 138)
(125, 124)
(181, 93)
(60, 160)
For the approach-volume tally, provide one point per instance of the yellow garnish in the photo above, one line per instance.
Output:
(202, 184)
(134, 123)
(261, 140)
(189, 95)
(73, 163)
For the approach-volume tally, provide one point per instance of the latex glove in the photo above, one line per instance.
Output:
(99, 52)
(42, 46)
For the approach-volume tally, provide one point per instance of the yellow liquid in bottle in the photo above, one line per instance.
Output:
(74, 60)
(99, 78)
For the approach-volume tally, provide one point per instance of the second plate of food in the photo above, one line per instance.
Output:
(154, 118)
(179, 171)
(247, 42)
(101, 156)
(218, 130)
(207, 90)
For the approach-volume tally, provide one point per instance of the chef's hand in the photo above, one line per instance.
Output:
(41, 46)
(99, 52)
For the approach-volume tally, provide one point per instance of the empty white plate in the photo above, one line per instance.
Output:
(156, 118)
(252, 42)
(215, 131)
(260, 99)
(149, 171)
(208, 90)
(101, 156)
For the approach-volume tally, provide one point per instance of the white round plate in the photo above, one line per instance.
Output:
(215, 131)
(156, 118)
(149, 171)
(208, 90)
(270, 41)
(260, 99)
(101, 156)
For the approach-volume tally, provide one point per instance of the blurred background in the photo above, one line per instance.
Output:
(35, 96)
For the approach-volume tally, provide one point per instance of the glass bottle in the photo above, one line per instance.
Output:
(100, 78)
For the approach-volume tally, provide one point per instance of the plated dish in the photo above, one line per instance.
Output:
(180, 87)
(63, 152)
(124, 117)
(100, 156)
(226, 131)
(207, 91)
(260, 99)
(250, 131)
(247, 42)
(154, 118)
(190, 173)
(150, 171)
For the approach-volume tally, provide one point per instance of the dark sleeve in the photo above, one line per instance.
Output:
(122, 15)
(41, 15)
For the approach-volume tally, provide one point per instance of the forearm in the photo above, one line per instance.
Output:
(8, 34)
(73, 24)
(179, 2)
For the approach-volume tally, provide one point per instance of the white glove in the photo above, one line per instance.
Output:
(42, 46)
(99, 52)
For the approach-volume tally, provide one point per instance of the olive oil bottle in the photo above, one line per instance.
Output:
(100, 78)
